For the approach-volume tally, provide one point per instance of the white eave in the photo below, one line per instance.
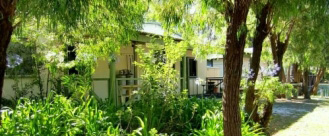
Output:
(215, 56)
(155, 28)
(248, 50)
(220, 56)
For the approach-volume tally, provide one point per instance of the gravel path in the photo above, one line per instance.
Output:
(300, 117)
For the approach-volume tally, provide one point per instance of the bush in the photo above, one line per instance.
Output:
(212, 125)
(160, 109)
(57, 116)
(179, 116)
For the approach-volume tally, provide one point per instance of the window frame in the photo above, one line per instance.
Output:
(211, 61)
(189, 59)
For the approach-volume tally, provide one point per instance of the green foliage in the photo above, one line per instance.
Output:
(109, 26)
(19, 51)
(30, 67)
(159, 96)
(326, 76)
(97, 29)
(172, 113)
(267, 89)
(288, 90)
(170, 12)
(201, 27)
(212, 125)
(77, 86)
(58, 11)
(242, 30)
(21, 90)
(161, 105)
(57, 116)
(71, 13)
(309, 45)
(267, 56)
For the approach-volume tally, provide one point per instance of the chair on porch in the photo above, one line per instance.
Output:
(127, 93)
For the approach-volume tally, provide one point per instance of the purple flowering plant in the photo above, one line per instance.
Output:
(14, 60)
(270, 71)
(251, 74)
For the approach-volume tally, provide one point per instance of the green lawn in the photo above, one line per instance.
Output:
(300, 117)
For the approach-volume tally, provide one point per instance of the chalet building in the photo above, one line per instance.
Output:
(126, 77)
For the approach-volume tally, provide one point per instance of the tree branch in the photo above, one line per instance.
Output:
(288, 34)
(229, 10)
(17, 24)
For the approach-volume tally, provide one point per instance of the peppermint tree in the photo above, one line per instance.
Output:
(309, 46)
(276, 20)
(217, 25)
(106, 24)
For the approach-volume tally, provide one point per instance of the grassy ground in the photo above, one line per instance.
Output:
(300, 117)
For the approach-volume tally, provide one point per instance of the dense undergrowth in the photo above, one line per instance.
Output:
(58, 115)
(161, 109)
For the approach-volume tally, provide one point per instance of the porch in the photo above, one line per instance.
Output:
(127, 88)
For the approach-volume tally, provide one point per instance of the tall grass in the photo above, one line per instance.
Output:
(61, 116)
(57, 116)
(212, 125)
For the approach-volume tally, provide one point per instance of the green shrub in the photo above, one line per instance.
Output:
(212, 125)
(161, 105)
(179, 116)
(57, 116)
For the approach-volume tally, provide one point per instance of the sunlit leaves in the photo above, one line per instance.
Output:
(95, 28)
(201, 25)
(309, 45)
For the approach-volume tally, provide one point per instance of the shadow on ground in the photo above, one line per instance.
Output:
(287, 112)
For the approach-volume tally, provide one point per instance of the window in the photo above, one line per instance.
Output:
(160, 56)
(71, 55)
(192, 67)
(210, 63)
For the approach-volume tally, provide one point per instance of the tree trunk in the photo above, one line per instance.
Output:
(273, 40)
(297, 78)
(261, 32)
(235, 43)
(6, 30)
(267, 115)
(289, 74)
(295, 73)
(279, 48)
(319, 75)
(305, 84)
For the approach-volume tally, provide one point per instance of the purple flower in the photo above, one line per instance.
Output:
(276, 67)
(275, 70)
(251, 74)
(271, 71)
(14, 60)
